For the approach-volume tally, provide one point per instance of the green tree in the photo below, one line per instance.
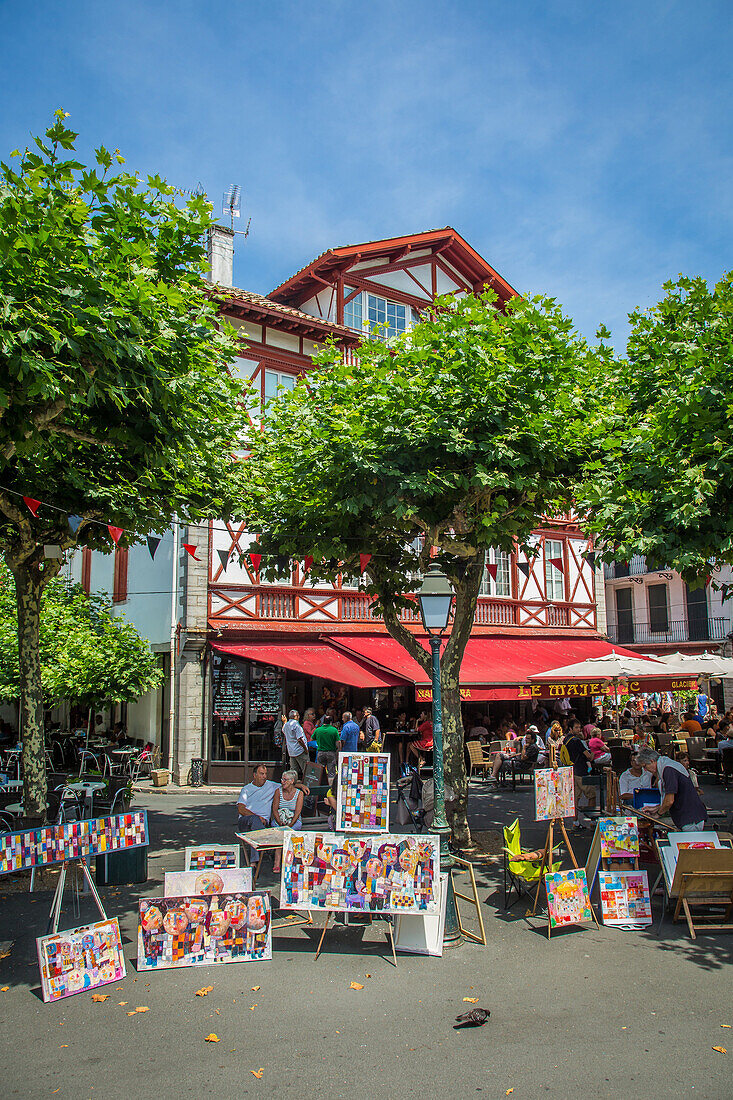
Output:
(461, 436)
(115, 402)
(661, 482)
(87, 654)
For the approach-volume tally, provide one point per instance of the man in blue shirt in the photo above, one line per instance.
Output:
(349, 735)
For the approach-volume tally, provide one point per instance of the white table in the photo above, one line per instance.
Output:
(89, 788)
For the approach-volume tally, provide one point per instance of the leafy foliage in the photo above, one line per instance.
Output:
(661, 483)
(88, 654)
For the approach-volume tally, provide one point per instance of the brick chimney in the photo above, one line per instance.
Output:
(221, 255)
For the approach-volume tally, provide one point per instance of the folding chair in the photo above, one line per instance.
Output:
(521, 868)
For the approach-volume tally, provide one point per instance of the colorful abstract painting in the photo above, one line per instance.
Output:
(55, 843)
(210, 857)
(197, 931)
(619, 837)
(362, 800)
(554, 793)
(567, 898)
(80, 959)
(228, 881)
(625, 898)
(342, 873)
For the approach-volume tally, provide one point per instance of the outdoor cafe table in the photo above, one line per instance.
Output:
(123, 756)
(89, 787)
(261, 840)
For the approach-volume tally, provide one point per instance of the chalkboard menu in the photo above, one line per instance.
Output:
(229, 684)
(265, 697)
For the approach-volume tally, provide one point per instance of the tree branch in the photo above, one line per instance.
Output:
(408, 641)
(80, 436)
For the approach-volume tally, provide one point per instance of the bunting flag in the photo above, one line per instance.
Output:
(115, 532)
(307, 562)
(591, 557)
(525, 567)
(153, 544)
(190, 549)
(282, 563)
(75, 523)
(33, 505)
(557, 562)
(255, 559)
(364, 560)
(492, 570)
(223, 558)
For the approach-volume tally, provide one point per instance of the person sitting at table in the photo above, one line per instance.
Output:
(424, 740)
(287, 807)
(633, 779)
(691, 724)
(684, 760)
(478, 731)
(679, 797)
(527, 757)
(254, 804)
(598, 748)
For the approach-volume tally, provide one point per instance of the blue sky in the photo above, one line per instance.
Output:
(583, 148)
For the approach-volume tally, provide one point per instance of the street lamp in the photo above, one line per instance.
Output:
(436, 599)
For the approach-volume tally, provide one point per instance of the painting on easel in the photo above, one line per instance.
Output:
(554, 793)
(567, 898)
(619, 837)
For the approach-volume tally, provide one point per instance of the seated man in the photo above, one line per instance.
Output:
(254, 804)
(527, 758)
(679, 797)
(691, 724)
(633, 779)
(424, 740)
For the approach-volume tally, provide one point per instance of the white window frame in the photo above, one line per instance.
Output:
(554, 577)
(502, 586)
(380, 332)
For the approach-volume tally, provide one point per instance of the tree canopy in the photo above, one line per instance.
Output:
(88, 654)
(661, 482)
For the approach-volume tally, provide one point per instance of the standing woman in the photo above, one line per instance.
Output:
(287, 806)
(554, 742)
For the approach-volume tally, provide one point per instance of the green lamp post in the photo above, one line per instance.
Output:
(435, 598)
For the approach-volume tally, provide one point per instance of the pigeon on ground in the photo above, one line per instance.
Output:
(476, 1018)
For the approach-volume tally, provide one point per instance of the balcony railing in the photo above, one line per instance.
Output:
(618, 569)
(696, 630)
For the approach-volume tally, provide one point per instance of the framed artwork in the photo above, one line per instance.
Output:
(362, 799)
(619, 837)
(226, 881)
(74, 839)
(625, 899)
(212, 857)
(423, 935)
(554, 793)
(567, 898)
(707, 838)
(80, 959)
(197, 931)
(347, 874)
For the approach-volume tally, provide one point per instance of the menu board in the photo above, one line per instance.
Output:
(229, 684)
(265, 697)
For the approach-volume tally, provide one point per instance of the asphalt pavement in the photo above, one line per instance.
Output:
(591, 1012)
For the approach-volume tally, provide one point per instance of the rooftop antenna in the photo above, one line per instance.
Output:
(231, 204)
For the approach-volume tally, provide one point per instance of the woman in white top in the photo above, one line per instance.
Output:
(287, 806)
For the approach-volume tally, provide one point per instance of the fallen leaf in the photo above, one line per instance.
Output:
(5, 948)
(100, 996)
(722, 1025)
(720, 1050)
(5, 989)
(133, 1013)
(508, 1091)
(56, 1090)
(205, 991)
(356, 985)
(211, 1038)
(257, 1072)
(368, 975)
(471, 1000)
(64, 1045)
(252, 1008)
(217, 1011)
(255, 989)
(142, 1008)
(122, 1003)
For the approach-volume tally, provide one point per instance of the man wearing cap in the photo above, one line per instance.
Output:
(679, 797)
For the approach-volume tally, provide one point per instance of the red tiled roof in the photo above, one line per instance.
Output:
(258, 304)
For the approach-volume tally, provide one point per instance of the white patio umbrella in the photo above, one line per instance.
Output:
(699, 664)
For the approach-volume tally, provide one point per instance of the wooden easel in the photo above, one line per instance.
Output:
(58, 897)
(547, 856)
(387, 917)
(471, 900)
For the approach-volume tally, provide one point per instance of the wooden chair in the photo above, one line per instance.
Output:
(230, 749)
(476, 759)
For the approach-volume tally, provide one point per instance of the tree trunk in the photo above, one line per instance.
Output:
(29, 582)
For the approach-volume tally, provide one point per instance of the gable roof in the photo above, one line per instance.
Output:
(257, 308)
(447, 241)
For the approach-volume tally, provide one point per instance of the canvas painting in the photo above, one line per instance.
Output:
(554, 793)
(227, 881)
(625, 898)
(73, 840)
(341, 873)
(567, 898)
(362, 799)
(196, 931)
(619, 837)
(80, 959)
(212, 857)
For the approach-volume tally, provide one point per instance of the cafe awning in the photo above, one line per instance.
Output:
(314, 659)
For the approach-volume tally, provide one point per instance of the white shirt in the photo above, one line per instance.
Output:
(628, 783)
(258, 800)
(294, 737)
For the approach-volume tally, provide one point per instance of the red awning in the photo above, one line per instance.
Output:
(316, 659)
(498, 666)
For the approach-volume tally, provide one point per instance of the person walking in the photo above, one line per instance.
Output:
(295, 742)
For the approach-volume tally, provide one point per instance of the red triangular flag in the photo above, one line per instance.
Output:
(557, 562)
(364, 560)
(191, 549)
(492, 570)
(255, 559)
(115, 532)
(307, 562)
(33, 505)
